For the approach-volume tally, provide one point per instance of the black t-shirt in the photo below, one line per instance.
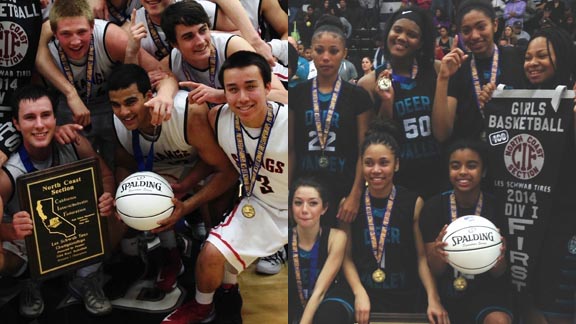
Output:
(468, 122)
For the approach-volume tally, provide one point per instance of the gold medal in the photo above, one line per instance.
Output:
(248, 211)
(378, 275)
(323, 162)
(384, 83)
(460, 284)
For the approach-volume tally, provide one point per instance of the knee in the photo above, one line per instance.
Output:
(210, 255)
(497, 318)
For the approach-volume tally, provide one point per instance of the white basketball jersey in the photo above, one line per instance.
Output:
(103, 65)
(272, 185)
(147, 43)
(220, 42)
(252, 8)
(173, 156)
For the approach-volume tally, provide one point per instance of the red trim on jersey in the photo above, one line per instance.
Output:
(231, 249)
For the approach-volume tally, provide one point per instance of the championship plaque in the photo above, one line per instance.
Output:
(68, 230)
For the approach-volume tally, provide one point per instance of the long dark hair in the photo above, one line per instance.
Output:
(424, 20)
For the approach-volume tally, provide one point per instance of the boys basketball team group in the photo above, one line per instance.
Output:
(152, 87)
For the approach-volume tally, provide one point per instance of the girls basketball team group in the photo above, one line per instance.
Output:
(380, 169)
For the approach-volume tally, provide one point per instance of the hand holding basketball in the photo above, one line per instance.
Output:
(439, 245)
(169, 222)
(473, 244)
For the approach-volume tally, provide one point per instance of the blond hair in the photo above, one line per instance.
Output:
(67, 9)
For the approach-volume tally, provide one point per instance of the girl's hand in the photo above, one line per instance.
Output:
(362, 308)
(486, 94)
(452, 61)
(439, 246)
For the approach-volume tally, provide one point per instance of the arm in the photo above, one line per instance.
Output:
(444, 108)
(200, 136)
(85, 150)
(276, 17)
(237, 14)
(48, 69)
(361, 299)
(349, 208)
(436, 313)
(336, 251)
(437, 258)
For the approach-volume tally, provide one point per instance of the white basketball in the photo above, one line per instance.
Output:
(473, 244)
(143, 199)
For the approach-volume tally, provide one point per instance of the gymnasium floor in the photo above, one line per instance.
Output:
(265, 299)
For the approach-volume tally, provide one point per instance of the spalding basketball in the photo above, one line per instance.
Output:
(473, 244)
(143, 199)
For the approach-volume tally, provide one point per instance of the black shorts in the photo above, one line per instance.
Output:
(474, 308)
(10, 138)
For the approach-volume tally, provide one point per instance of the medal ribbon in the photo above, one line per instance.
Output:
(313, 267)
(142, 166)
(119, 15)
(454, 209)
(454, 215)
(323, 131)
(89, 67)
(162, 49)
(248, 180)
(212, 61)
(400, 78)
(378, 247)
(25, 158)
(476, 77)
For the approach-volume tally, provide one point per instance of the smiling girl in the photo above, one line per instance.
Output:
(466, 71)
(386, 257)
(483, 297)
(409, 70)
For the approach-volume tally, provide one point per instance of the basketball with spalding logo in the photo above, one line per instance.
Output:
(143, 199)
(473, 244)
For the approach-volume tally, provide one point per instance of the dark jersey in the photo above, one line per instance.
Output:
(482, 289)
(421, 167)
(399, 290)
(342, 143)
(468, 122)
(296, 308)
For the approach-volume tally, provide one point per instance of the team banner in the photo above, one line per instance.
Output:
(526, 131)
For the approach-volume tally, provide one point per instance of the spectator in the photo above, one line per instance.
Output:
(441, 19)
(444, 41)
(514, 12)
(509, 36)
(555, 11)
(520, 34)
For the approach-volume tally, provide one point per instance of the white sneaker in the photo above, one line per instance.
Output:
(272, 264)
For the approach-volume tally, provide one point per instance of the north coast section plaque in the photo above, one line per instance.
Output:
(68, 230)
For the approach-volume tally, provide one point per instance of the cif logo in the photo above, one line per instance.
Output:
(524, 156)
(13, 43)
